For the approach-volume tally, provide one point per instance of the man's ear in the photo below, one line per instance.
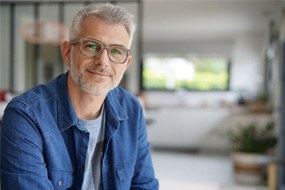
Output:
(129, 61)
(65, 48)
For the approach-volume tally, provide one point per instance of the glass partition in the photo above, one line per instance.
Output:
(30, 38)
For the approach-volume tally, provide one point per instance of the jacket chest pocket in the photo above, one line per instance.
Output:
(61, 180)
(125, 172)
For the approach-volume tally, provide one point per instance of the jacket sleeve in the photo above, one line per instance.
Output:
(22, 161)
(144, 177)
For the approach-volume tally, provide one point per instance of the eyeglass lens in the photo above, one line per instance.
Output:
(116, 53)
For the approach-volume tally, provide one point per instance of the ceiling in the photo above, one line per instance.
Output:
(207, 19)
(196, 20)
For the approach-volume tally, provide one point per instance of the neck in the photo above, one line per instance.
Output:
(86, 105)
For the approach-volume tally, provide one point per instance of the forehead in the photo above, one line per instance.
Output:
(92, 27)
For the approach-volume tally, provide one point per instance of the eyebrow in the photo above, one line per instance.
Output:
(94, 39)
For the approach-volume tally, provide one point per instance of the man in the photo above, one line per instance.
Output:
(81, 131)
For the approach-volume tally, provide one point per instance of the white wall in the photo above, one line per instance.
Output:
(248, 63)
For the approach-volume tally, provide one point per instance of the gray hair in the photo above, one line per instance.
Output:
(109, 13)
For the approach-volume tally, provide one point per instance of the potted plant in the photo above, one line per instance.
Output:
(250, 146)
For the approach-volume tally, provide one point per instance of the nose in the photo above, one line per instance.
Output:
(102, 58)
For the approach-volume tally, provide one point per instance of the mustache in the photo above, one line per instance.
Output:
(100, 69)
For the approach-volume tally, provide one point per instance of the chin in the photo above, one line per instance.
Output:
(96, 91)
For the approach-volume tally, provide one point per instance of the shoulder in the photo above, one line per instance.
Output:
(123, 104)
(40, 93)
(124, 97)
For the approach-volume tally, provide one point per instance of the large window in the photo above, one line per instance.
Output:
(193, 73)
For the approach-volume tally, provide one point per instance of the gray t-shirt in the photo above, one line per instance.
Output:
(92, 173)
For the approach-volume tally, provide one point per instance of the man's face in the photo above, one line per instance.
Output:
(98, 75)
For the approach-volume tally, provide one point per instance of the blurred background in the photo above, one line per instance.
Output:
(209, 73)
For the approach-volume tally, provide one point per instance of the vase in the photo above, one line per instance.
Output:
(250, 168)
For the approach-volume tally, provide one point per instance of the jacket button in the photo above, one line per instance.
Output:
(60, 183)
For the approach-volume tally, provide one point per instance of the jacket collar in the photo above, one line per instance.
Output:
(66, 113)
(67, 116)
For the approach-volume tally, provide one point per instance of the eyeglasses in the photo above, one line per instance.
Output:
(93, 48)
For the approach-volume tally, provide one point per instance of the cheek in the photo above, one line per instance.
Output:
(124, 68)
(120, 72)
(77, 63)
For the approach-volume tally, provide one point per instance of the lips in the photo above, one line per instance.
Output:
(99, 73)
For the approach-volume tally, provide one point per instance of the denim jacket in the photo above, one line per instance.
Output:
(44, 144)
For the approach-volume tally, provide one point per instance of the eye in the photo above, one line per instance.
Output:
(118, 51)
(92, 46)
